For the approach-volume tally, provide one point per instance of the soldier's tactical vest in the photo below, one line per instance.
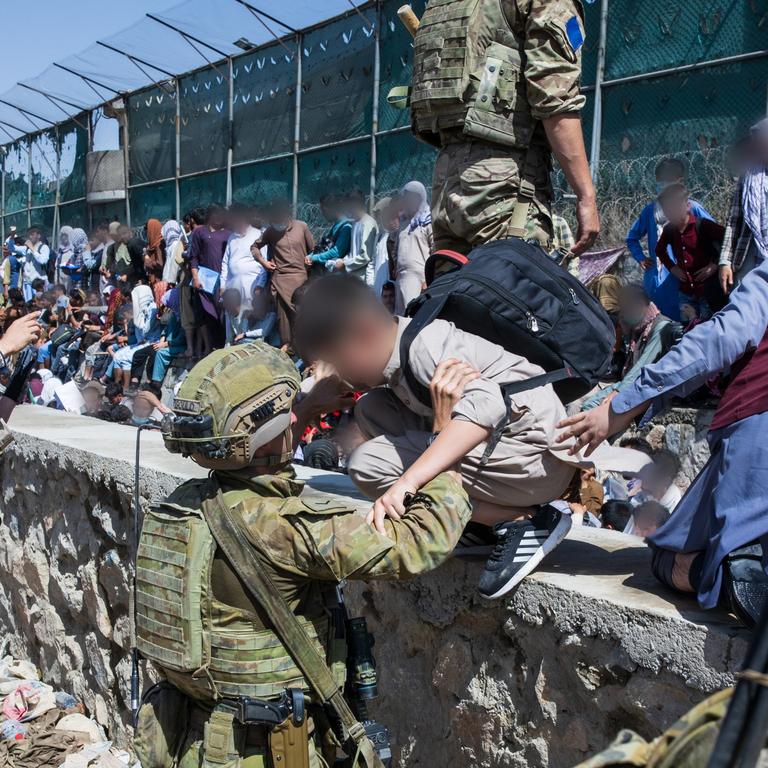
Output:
(468, 74)
(206, 649)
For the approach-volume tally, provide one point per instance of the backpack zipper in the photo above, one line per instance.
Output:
(532, 322)
(574, 297)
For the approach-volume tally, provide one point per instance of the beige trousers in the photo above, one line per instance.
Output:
(520, 473)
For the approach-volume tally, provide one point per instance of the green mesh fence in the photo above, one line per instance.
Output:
(258, 183)
(334, 170)
(43, 218)
(648, 35)
(401, 158)
(75, 214)
(153, 201)
(694, 115)
(396, 58)
(204, 120)
(264, 100)
(73, 147)
(337, 81)
(151, 135)
(16, 172)
(43, 151)
(202, 190)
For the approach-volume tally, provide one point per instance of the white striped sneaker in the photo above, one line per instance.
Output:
(477, 540)
(522, 545)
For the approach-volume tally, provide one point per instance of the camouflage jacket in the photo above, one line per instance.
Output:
(324, 539)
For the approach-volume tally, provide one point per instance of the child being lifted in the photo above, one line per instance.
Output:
(342, 323)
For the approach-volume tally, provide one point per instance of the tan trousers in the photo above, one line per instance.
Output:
(520, 473)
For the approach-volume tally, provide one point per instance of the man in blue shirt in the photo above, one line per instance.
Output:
(337, 242)
(659, 284)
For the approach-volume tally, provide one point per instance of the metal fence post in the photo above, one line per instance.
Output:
(597, 115)
(375, 109)
(297, 121)
(177, 164)
(29, 180)
(230, 129)
(57, 199)
(126, 160)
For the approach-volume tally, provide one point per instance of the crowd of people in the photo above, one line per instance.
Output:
(118, 309)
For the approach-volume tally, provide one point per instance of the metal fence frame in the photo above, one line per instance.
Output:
(600, 90)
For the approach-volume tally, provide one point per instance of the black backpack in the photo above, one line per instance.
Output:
(512, 293)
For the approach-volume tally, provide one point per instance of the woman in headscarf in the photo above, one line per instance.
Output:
(414, 244)
(154, 253)
(174, 250)
(75, 268)
(64, 255)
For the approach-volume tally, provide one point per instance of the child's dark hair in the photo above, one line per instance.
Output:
(615, 514)
(330, 308)
(652, 510)
(637, 444)
(38, 284)
(113, 389)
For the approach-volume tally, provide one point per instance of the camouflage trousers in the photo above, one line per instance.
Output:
(174, 732)
(474, 190)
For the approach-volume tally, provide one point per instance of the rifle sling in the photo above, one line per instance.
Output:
(249, 566)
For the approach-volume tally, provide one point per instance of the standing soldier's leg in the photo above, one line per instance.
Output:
(474, 192)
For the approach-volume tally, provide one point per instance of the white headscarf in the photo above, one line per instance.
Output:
(143, 304)
(423, 216)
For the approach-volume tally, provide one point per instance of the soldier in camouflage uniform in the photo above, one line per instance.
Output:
(496, 88)
(213, 643)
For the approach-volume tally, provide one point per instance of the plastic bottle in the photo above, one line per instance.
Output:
(12, 730)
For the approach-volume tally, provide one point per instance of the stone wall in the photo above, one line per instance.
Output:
(586, 646)
(684, 432)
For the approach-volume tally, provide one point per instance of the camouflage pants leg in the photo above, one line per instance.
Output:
(173, 732)
(474, 190)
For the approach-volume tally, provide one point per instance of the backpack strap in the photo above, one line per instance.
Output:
(507, 390)
(428, 311)
(248, 564)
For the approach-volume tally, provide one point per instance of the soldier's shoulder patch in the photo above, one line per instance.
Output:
(575, 33)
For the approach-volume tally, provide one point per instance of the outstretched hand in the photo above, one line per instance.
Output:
(590, 428)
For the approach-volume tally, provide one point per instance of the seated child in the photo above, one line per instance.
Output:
(341, 323)
(695, 245)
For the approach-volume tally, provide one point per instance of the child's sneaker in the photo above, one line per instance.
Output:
(477, 539)
(521, 546)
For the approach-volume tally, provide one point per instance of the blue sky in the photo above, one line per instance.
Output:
(60, 28)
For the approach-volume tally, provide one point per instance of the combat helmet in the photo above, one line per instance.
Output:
(232, 403)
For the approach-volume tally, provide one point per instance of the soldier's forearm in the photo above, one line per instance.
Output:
(567, 141)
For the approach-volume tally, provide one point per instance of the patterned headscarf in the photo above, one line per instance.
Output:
(171, 232)
(78, 240)
(754, 198)
(423, 217)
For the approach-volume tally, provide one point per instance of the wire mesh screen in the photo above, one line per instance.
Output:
(43, 218)
(258, 183)
(401, 158)
(75, 214)
(647, 35)
(204, 119)
(16, 171)
(73, 147)
(202, 190)
(396, 58)
(698, 110)
(337, 80)
(44, 151)
(264, 99)
(152, 201)
(152, 135)
(334, 170)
